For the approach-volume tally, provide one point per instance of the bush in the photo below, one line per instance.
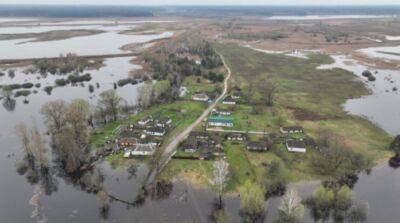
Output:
(48, 89)
(22, 93)
(366, 73)
(76, 78)
(91, 88)
(27, 85)
(126, 81)
(61, 82)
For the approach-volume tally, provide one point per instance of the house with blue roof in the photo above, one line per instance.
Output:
(220, 121)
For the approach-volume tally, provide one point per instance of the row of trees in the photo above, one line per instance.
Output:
(338, 202)
(253, 202)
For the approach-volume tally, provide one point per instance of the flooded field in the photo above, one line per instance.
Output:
(111, 42)
(381, 106)
(180, 202)
(324, 17)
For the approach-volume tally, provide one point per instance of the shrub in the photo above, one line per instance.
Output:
(48, 89)
(22, 93)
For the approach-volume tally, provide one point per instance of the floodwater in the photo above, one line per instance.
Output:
(105, 43)
(382, 52)
(294, 53)
(25, 202)
(382, 106)
(41, 28)
(324, 17)
(393, 38)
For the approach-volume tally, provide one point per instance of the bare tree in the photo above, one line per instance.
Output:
(291, 208)
(268, 90)
(358, 212)
(22, 132)
(77, 117)
(54, 113)
(6, 93)
(69, 153)
(145, 92)
(220, 179)
(111, 101)
(39, 147)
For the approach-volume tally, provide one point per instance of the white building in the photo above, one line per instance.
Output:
(296, 146)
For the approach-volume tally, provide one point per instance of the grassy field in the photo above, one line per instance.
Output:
(307, 97)
(317, 94)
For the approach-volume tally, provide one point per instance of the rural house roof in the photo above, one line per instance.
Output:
(220, 119)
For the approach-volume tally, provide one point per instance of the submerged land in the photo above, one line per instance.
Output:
(188, 96)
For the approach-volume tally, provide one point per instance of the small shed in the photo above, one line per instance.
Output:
(291, 129)
(257, 146)
(236, 137)
(200, 97)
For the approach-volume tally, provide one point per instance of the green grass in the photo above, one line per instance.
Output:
(301, 85)
(240, 167)
(196, 171)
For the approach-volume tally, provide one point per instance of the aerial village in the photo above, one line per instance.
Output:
(145, 136)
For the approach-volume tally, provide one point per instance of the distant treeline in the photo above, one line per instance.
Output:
(196, 11)
(73, 11)
(283, 10)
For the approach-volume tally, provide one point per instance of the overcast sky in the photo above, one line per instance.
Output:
(204, 2)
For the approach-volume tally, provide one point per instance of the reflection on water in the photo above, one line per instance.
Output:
(386, 53)
(100, 44)
(382, 106)
(323, 17)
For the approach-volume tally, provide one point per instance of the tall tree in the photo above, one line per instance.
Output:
(54, 113)
(221, 172)
(291, 209)
(22, 133)
(145, 95)
(77, 117)
(252, 202)
(111, 101)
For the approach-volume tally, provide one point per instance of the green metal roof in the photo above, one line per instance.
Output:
(220, 119)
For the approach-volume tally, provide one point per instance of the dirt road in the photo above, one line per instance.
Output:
(170, 148)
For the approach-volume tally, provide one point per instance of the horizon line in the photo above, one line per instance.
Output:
(205, 5)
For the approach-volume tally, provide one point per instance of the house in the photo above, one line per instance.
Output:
(257, 146)
(237, 95)
(220, 121)
(224, 112)
(229, 101)
(144, 150)
(236, 137)
(291, 129)
(297, 146)
(163, 123)
(126, 142)
(190, 147)
(155, 131)
(145, 120)
(200, 97)
(200, 135)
